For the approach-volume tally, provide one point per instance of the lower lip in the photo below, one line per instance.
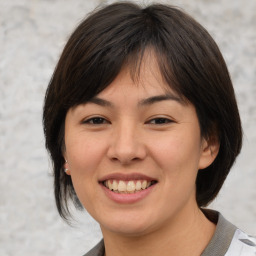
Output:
(127, 198)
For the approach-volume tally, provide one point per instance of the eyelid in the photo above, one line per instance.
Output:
(90, 118)
(168, 119)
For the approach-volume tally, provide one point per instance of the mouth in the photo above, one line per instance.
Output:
(127, 186)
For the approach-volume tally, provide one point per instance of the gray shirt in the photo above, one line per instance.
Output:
(227, 240)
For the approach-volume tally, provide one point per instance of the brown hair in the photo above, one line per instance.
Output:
(189, 61)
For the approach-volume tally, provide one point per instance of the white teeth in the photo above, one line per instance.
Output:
(144, 184)
(121, 186)
(138, 185)
(127, 187)
(114, 185)
(109, 185)
(130, 187)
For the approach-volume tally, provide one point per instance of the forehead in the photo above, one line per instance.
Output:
(141, 79)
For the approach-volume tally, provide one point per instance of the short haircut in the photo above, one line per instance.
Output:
(189, 61)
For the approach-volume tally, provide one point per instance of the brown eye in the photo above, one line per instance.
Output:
(96, 121)
(160, 121)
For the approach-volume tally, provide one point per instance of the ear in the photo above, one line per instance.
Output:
(209, 151)
(66, 168)
(66, 165)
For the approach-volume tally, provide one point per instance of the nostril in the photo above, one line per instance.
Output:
(125, 149)
(125, 160)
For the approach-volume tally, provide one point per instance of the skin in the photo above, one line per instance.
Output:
(160, 139)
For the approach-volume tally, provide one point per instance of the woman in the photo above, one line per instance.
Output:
(142, 125)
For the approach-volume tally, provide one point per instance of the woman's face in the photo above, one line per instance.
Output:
(143, 142)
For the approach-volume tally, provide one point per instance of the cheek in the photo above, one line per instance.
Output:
(174, 148)
(84, 157)
(84, 153)
(177, 155)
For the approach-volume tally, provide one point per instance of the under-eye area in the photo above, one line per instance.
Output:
(127, 187)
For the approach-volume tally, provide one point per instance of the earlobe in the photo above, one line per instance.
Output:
(66, 168)
(210, 150)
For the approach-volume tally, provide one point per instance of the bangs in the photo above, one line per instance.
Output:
(91, 75)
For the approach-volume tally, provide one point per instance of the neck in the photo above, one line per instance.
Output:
(181, 237)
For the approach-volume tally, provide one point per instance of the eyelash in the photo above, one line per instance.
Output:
(101, 120)
(161, 120)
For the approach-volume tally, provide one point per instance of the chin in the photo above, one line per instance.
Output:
(127, 226)
(128, 230)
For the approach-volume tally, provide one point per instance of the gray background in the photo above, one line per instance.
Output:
(32, 35)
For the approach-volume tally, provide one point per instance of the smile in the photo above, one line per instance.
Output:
(127, 186)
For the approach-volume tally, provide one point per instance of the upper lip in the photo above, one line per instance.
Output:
(126, 177)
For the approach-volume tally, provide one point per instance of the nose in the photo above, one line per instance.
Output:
(126, 145)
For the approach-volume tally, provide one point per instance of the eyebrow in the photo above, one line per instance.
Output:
(159, 98)
(100, 102)
(143, 102)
